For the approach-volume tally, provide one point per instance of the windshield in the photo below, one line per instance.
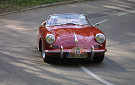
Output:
(64, 19)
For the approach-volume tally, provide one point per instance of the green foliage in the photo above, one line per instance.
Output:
(21, 4)
(29, 2)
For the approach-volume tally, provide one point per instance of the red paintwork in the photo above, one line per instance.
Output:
(64, 36)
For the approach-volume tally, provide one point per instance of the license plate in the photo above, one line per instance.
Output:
(77, 52)
(84, 55)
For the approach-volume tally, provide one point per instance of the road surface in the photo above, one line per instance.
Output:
(21, 64)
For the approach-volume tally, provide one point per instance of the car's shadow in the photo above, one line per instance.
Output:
(107, 64)
(69, 62)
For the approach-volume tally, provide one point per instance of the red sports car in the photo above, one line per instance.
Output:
(70, 35)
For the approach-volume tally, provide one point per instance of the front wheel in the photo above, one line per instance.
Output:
(44, 56)
(98, 59)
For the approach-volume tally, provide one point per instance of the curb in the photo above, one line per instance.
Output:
(42, 6)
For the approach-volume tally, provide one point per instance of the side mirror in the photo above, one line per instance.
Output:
(95, 24)
(44, 23)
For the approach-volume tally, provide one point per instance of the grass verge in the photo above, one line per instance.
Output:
(15, 5)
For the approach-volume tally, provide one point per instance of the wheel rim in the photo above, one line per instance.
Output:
(43, 55)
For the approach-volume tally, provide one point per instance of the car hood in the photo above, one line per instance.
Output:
(66, 36)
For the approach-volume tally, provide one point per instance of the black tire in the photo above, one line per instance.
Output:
(40, 46)
(98, 59)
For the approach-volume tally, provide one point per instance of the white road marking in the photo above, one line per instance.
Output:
(95, 76)
(101, 21)
(125, 13)
(132, 11)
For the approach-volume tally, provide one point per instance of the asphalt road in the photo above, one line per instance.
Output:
(21, 64)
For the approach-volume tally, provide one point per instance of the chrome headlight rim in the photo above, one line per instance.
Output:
(50, 38)
(100, 38)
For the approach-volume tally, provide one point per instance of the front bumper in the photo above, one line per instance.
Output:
(62, 53)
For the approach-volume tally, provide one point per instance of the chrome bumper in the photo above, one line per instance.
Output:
(92, 51)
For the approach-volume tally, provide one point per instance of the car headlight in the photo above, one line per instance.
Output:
(50, 38)
(100, 38)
